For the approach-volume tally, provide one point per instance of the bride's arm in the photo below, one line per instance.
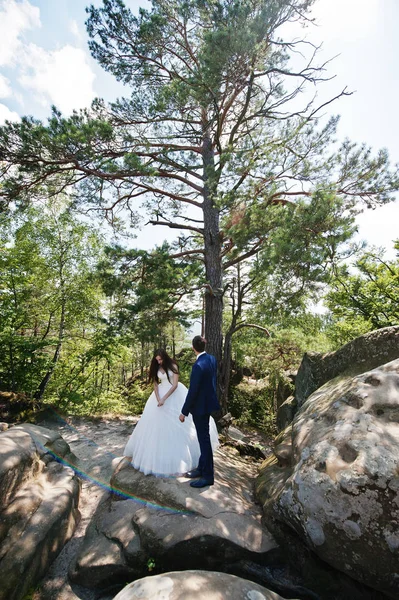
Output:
(156, 390)
(170, 391)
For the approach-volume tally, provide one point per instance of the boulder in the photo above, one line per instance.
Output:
(184, 585)
(285, 387)
(19, 463)
(236, 434)
(49, 444)
(178, 527)
(285, 413)
(332, 485)
(357, 356)
(38, 510)
(256, 451)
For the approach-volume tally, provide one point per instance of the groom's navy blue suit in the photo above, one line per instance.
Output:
(201, 401)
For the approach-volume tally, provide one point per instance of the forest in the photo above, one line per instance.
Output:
(220, 140)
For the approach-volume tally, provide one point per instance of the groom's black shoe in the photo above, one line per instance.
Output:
(200, 483)
(194, 474)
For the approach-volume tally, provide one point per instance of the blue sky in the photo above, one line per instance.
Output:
(44, 60)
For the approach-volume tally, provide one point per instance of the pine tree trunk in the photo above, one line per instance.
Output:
(213, 263)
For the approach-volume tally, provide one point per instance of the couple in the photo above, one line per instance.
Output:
(159, 444)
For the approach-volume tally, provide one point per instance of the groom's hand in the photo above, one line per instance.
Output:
(182, 418)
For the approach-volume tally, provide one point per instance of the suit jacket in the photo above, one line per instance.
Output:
(202, 398)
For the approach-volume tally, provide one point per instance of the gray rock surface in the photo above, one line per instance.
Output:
(195, 585)
(96, 445)
(286, 412)
(285, 387)
(236, 434)
(178, 526)
(38, 510)
(334, 478)
(49, 444)
(358, 356)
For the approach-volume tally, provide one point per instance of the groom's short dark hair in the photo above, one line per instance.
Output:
(199, 343)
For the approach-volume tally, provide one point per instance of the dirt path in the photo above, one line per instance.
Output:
(98, 444)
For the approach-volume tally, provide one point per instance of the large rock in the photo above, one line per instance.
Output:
(333, 482)
(285, 413)
(362, 354)
(49, 444)
(179, 527)
(19, 462)
(38, 507)
(188, 585)
(285, 387)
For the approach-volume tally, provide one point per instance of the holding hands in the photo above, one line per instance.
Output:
(161, 401)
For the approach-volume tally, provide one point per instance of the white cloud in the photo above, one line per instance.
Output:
(7, 115)
(62, 77)
(19, 98)
(74, 28)
(15, 18)
(5, 89)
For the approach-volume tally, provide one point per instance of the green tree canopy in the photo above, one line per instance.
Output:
(364, 296)
(147, 289)
(48, 295)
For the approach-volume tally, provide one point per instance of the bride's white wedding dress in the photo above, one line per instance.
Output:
(160, 444)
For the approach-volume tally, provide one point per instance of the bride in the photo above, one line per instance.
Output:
(160, 444)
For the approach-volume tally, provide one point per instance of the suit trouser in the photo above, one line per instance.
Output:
(205, 464)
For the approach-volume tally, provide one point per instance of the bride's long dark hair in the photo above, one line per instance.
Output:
(168, 364)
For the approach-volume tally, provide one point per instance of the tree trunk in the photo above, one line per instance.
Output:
(96, 374)
(203, 316)
(142, 360)
(102, 380)
(12, 367)
(237, 295)
(213, 262)
(43, 384)
(225, 372)
(61, 330)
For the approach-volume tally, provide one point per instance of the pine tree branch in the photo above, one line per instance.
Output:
(254, 250)
(176, 226)
(242, 325)
(188, 253)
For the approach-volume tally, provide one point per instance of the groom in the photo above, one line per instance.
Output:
(201, 401)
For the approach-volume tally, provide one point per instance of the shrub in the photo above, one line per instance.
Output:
(253, 404)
